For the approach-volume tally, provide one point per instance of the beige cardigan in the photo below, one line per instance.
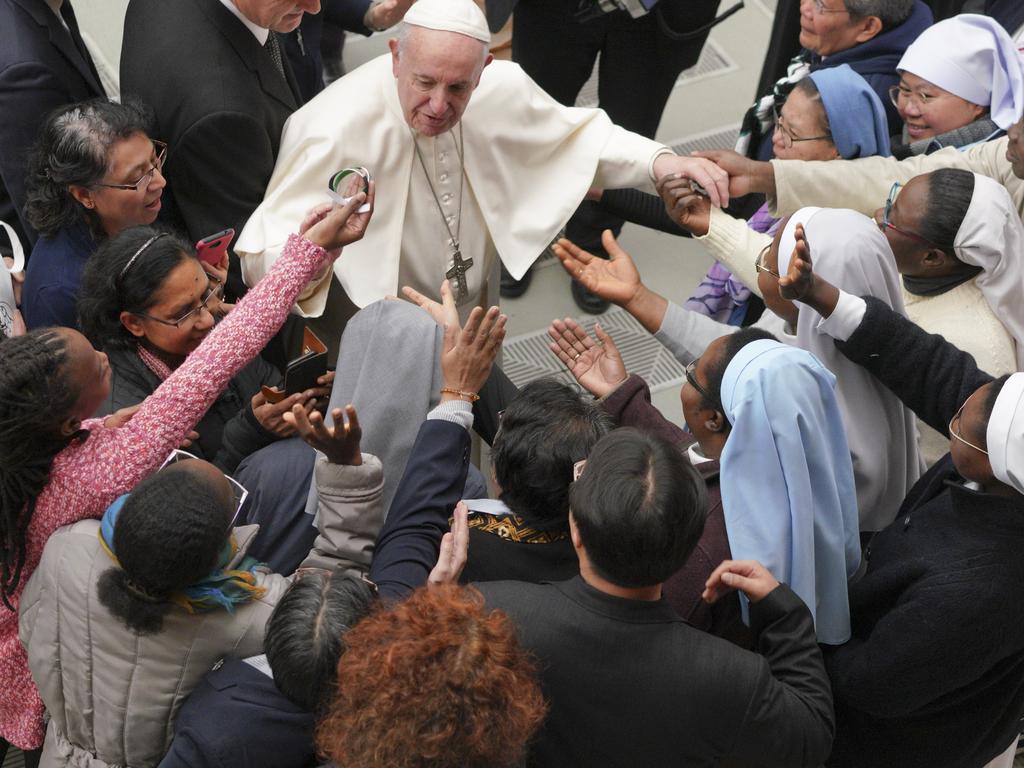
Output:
(962, 315)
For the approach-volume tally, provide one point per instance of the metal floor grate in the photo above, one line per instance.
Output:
(527, 357)
(723, 137)
(713, 61)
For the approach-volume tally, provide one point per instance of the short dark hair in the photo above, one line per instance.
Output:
(715, 371)
(545, 430)
(949, 196)
(640, 508)
(168, 535)
(306, 634)
(74, 148)
(891, 13)
(106, 293)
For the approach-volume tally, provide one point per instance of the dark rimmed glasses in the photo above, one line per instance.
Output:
(885, 223)
(691, 377)
(760, 266)
(214, 290)
(238, 492)
(160, 150)
(956, 433)
(789, 138)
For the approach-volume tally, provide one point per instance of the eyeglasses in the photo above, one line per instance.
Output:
(899, 95)
(886, 224)
(789, 138)
(759, 266)
(691, 376)
(160, 150)
(819, 7)
(214, 290)
(238, 492)
(956, 433)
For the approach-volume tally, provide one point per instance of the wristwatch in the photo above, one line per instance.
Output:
(367, 18)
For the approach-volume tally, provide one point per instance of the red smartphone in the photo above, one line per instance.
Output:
(211, 249)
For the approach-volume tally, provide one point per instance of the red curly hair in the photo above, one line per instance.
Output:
(436, 680)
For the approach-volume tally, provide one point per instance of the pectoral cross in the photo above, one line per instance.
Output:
(458, 274)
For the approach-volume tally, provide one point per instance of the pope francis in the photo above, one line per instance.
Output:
(471, 160)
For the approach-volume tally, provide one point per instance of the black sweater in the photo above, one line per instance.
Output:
(227, 433)
(934, 672)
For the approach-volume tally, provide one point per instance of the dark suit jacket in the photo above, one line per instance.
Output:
(41, 68)
(220, 104)
(236, 716)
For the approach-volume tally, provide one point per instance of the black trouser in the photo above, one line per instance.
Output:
(639, 66)
(31, 757)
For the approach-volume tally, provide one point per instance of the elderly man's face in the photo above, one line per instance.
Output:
(436, 73)
(278, 15)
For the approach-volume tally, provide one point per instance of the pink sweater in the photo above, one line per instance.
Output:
(87, 476)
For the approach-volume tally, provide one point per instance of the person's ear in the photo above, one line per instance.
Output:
(574, 533)
(70, 426)
(870, 26)
(83, 195)
(935, 258)
(716, 423)
(393, 45)
(133, 324)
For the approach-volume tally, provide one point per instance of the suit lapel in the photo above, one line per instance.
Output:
(250, 52)
(63, 41)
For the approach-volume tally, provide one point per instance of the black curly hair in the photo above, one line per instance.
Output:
(36, 398)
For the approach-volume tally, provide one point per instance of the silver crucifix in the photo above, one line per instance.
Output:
(458, 274)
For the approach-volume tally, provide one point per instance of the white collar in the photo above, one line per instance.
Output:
(260, 33)
(696, 455)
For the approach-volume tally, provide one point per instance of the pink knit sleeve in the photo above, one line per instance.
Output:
(112, 461)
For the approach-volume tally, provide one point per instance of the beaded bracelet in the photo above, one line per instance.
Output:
(473, 396)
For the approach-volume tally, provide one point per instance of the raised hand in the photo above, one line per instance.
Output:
(335, 227)
(689, 209)
(469, 352)
(615, 279)
(454, 549)
(444, 312)
(596, 365)
(798, 282)
(748, 576)
(339, 443)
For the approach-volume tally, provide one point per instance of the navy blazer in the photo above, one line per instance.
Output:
(54, 275)
(42, 66)
(236, 716)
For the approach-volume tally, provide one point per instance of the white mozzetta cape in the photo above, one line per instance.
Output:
(528, 159)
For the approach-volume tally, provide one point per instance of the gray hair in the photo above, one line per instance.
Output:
(74, 149)
(891, 13)
(405, 31)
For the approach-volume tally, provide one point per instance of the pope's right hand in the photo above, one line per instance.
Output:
(335, 227)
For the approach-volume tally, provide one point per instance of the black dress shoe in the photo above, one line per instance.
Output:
(512, 288)
(589, 302)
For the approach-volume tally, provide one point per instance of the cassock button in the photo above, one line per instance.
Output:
(446, 196)
(443, 156)
(443, 177)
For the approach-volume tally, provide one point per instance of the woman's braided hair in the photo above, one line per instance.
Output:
(35, 398)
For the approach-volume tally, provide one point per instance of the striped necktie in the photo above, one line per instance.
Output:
(275, 52)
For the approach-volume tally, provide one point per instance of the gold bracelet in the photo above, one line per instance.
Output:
(473, 396)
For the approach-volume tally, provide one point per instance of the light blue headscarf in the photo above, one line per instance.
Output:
(787, 480)
(856, 117)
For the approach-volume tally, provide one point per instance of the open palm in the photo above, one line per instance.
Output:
(615, 279)
(595, 364)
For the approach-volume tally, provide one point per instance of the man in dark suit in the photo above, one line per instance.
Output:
(215, 73)
(44, 64)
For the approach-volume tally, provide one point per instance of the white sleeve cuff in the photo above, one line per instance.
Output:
(456, 411)
(655, 156)
(845, 318)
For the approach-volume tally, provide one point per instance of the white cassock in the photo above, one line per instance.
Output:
(529, 161)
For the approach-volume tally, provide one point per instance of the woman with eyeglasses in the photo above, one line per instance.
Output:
(934, 672)
(961, 83)
(148, 304)
(93, 173)
(59, 465)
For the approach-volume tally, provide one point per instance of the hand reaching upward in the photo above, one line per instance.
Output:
(596, 365)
